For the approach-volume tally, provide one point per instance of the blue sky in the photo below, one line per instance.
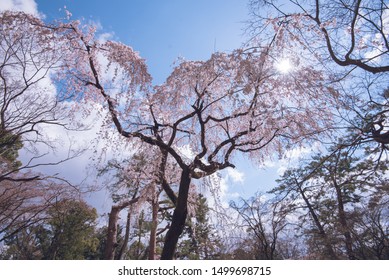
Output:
(163, 30)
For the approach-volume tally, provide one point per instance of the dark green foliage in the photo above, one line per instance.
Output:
(138, 248)
(200, 240)
(9, 149)
(69, 233)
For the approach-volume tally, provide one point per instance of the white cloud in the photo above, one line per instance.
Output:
(106, 36)
(218, 188)
(291, 158)
(375, 43)
(235, 175)
(28, 6)
(228, 182)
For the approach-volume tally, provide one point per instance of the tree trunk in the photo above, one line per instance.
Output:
(343, 222)
(126, 236)
(319, 226)
(179, 217)
(110, 246)
(154, 225)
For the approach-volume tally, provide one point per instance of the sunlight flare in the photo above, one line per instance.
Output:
(284, 66)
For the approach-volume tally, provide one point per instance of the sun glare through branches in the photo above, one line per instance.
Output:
(284, 66)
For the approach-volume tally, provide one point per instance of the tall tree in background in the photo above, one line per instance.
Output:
(130, 185)
(201, 241)
(349, 40)
(138, 249)
(29, 103)
(338, 193)
(264, 220)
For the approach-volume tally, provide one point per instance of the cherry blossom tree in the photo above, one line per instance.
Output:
(205, 113)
